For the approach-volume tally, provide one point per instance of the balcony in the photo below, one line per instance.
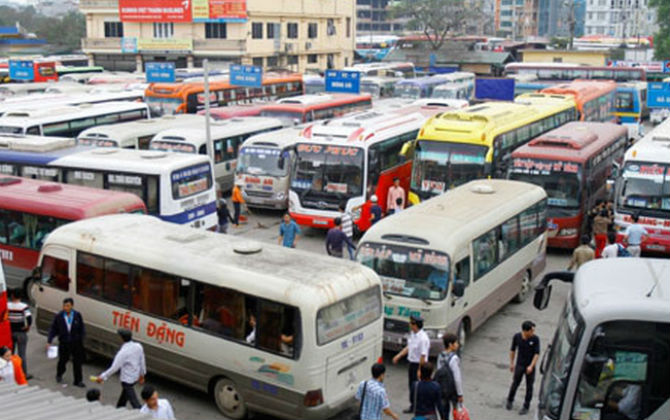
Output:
(220, 47)
(89, 6)
(101, 44)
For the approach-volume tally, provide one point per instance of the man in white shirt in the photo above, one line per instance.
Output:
(612, 248)
(157, 408)
(416, 350)
(130, 360)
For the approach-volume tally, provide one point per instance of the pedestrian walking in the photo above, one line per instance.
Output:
(347, 227)
(395, 192)
(372, 396)
(132, 364)
(428, 395)
(375, 210)
(157, 408)
(20, 320)
(288, 232)
(416, 350)
(448, 374)
(223, 214)
(336, 239)
(526, 347)
(582, 254)
(238, 200)
(634, 235)
(600, 223)
(612, 248)
(11, 371)
(68, 326)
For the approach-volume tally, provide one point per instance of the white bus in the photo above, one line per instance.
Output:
(16, 90)
(609, 358)
(227, 136)
(263, 167)
(136, 134)
(644, 189)
(459, 85)
(176, 187)
(52, 99)
(458, 258)
(68, 120)
(379, 87)
(189, 298)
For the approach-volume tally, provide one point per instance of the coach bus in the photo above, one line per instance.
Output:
(457, 259)
(565, 72)
(573, 163)
(62, 96)
(607, 359)
(296, 350)
(135, 134)
(264, 167)
(421, 87)
(644, 189)
(631, 106)
(594, 99)
(182, 98)
(31, 209)
(459, 85)
(308, 108)
(385, 69)
(349, 159)
(69, 121)
(378, 87)
(475, 142)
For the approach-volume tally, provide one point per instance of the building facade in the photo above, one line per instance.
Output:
(297, 35)
(555, 18)
(374, 17)
(516, 19)
(619, 18)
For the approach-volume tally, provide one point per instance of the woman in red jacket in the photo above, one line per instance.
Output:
(10, 368)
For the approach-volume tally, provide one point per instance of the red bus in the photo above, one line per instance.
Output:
(233, 111)
(5, 330)
(30, 209)
(308, 108)
(572, 163)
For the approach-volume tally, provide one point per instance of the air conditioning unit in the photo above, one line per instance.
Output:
(308, 45)
(288, 47)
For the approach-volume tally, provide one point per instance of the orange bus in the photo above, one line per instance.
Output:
(595, 99)
(188, 97)
(307, 108)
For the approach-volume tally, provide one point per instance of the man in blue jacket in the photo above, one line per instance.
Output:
(68, 326)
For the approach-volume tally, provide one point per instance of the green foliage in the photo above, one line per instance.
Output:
(63, 34)
(662, 37)
(559, 43)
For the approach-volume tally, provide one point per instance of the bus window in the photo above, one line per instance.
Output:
(485, 250)
(509, 237)
(77, 126)
(90, 275)
(57, 129)
(85, 178)
(55, 273)
(117, 282)
(278, 329)
(151, 200)
(34, 130)
(16, 229)
(157, 294)
(224, 312)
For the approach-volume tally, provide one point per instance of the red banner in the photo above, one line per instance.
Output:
(155, 10)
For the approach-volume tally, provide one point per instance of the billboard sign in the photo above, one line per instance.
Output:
(658, 95)
(250, 76)
(343, 81)
(650, 66)
(155, 10)
(21, 70)
(160, 72)
(219, 10)
(164, 44)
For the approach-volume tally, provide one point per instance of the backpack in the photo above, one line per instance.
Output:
(445, 377)
(622, 251)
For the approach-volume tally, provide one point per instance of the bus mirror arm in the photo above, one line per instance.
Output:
(543, 289)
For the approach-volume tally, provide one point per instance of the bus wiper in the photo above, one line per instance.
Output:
(426, 301)
(387, 295)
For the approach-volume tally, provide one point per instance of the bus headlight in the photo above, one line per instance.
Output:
(280, 196)
(567, 232)
(434, 334)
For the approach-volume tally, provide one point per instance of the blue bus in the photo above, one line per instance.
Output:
(630, 106)
(420, 87)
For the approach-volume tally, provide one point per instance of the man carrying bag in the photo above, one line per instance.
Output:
(373, 398)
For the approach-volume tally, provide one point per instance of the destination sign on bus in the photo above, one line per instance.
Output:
(649, 169)
(329, 150)
(543, 167)
(98, 142)
(173, 147)
(190, 172)
(124, 179)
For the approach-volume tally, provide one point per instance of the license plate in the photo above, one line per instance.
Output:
(320, 222)
(392, 339)
(653, 247)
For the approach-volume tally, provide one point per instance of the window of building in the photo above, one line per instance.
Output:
(292, 30)
(272, 62)
(55, 273)
(216, 30)
(113, 29)
(257, 61)
(312, 30)
(348, 27)
(292, 59)
(271, 32)
(330, 27)
(163, 29)
(257, 30)
(312, 58)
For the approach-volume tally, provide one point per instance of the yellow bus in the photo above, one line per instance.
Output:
(476, 142)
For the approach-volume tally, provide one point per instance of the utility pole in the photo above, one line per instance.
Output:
(208, 132)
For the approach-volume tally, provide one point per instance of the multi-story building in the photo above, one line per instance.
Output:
(374, 16)
(517, 19)
(619, 18)
(556, 17)
(298, 35)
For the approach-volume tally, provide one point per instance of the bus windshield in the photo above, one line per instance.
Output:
(562, 189)
(439, 166)
(646, 186)
(192, 180)
(263, 161)
(407, 91)
(374, 89)
(8, 129)
(162, 106)
(334, 170)
(559, 363)
(408, 271)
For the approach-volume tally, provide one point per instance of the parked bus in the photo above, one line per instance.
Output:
(69, 121)
(43, 71)
(52, 99)
(314, 84)
(233, 111)
(181, 98)
(227, 137)
(31, 209)
(378, 87)
(64, 70)
(453, 270)
(475, 142)
(607, 358)
(644, 189)
(385, 69)
(565, 72)
(349, 159)
(573, 163)
(165, 284)
(308, 108)
(631, 107)
(135, 134)
(13, 90)
(459, 85)
(595, 99)
(263, 167)
(421, 87)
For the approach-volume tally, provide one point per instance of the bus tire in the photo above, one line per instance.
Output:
(524, 290)
(27, 291)
(462, 333)
(229, 400)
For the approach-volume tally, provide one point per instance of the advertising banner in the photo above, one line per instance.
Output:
(219, 10)
(155, 10)
(168, 44)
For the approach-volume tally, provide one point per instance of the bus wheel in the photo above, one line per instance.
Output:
(27, 291)
(229, 400)
(525, 288)
(462, 333)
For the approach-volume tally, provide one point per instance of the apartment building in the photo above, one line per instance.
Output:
(620, 18)
(516, 19)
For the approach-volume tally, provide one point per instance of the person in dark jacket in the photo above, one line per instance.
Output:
(336, 239)
(68, 326)
(428, 395)
(223, 215)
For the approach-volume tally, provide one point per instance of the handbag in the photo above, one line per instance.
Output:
(357, 416)
(460, 413)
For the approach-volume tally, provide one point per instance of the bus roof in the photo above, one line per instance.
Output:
(582, 90)
(191, 87)
(603, 289)
(36, 144)
(443, 221)
(421, 81)
(279, 138)
(130, 160)
(30, 117)
(314, 101)
(295, 277)
(218, 129)
(63, 201)
(38, 152)
(573, 142)
(231, 111)
(139, 128)
(653, 147)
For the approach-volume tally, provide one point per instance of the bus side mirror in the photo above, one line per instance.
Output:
(543, 289)
(542, 297)
(406, 148)
(458, 289)
(281, 162)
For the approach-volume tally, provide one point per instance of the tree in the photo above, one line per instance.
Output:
(438, 19)
(662, 37)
